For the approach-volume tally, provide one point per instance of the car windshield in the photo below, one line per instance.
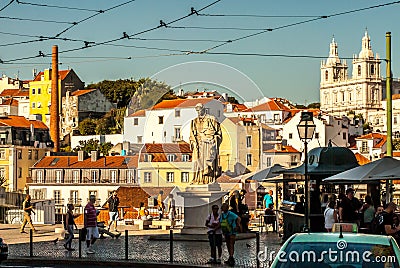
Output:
(337, 255)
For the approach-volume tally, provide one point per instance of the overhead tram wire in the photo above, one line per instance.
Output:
(35, 20)
(1, 9)
(271, 55)
(299, 23)
(90, 45)
(61, 7)
(215, 28)
(257, 16)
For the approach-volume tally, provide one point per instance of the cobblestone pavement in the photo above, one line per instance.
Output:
(142, 249)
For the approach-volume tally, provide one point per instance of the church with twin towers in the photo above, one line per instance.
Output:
(358, 93)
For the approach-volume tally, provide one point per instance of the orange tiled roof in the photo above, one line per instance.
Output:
(14, 93)
(80, 92)
(362, 160)
(102, 162)
(20, 121)
(285, 149)
(140, 113)
(10, 102)
(271, 105)
(180, 103)
(61, 74)
(375, 136)
(182, 147)
(395, 96)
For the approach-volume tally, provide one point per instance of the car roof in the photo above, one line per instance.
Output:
(334, 237)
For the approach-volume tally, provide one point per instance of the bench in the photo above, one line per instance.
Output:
(143, 224)
(164, 224)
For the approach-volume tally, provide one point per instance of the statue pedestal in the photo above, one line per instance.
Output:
(198, 200)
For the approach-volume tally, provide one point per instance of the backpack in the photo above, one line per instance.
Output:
(377, 226)
(226, 227)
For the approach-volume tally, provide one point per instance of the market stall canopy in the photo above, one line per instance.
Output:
(367, 172)
(266, 173)
(393, 173)
(326, 161)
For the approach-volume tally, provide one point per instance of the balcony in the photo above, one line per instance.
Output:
(59, 201)
(77, 202)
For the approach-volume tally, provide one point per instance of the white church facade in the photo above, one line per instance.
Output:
(362, 92)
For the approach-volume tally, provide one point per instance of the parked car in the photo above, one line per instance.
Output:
(337, 250)
(14, 216)
(3, 250)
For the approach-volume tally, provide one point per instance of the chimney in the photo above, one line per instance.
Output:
(278, 144)
(94, 155)
(54, 108)
(81, 156)
(34, 73)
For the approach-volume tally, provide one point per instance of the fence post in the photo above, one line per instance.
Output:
(30, 243)
(171, 245)
(126, 244)
(257, 248)
(80, 243)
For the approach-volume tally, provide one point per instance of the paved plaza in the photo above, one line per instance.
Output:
(141, 249)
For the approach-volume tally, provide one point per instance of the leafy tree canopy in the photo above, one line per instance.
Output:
(93, 145)
(87, 126)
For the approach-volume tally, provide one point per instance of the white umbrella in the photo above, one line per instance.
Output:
(393, 173)
(365, 173)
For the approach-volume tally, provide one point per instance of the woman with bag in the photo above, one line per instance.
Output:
(330, 215)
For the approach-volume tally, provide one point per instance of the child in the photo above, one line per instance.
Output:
(70, 223)
(214, 235)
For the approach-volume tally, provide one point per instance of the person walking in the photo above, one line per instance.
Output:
(330, 215)
(113, 203)
(369, 212)
(90, 223)
(214, 235)
(28, 210)
(230, 225)
(160, 205)
(171, 209)
(70, 223)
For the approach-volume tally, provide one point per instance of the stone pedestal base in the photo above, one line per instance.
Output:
(198, 200)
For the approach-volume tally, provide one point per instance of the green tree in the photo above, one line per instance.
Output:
(94, 145)
(314, 105)
(87, 126)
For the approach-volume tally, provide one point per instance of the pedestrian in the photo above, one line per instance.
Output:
(369, 212)
(270, 217)
(330, 215)
(113, 203)
(230, 225)
(90, 223)
(171, 209)
(385, 222)
(160, 205)
(214, 235)
(70, 223)
(268, 199)
(349, 207)
(28, 210)
(144, 213)
(234, 202)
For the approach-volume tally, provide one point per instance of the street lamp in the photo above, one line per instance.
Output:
(306, 129)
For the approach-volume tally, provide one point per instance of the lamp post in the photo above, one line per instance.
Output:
(306, 129)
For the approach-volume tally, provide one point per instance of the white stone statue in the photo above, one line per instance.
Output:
(205, 139)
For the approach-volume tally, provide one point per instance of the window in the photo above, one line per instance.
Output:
(277, 118)
(33, 91)
(135, 121)
(94, 176)
(349, 96)
(93, 192)
(75, 176)
(33, 105)
(269, 161)
(49, 90)
(147, 177)
(57, 197)
(171, 157)
(364, 147)
(177, 113)
(147, 157)
(185, 158)
(293, 160)
(372, 69)
(290, 135)
(139, 139)
(36, 155)
(218, 113)
(39, 176)
(19, 154)
(19, 172)
(344, 135)
(2, 154)
(30, 154)
(248, 141)
(326, 75)
(58, 176)
(359, 69)
(170, 176)
(39, 90)
(185, 177)
(395, 120)
(342, 96)
(74, 197)
(130, 176)
(316, 135)
(161, 119)
(177, 132)
(113, 174)
(249, 159)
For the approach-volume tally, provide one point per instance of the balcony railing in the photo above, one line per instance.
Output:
(77, 202)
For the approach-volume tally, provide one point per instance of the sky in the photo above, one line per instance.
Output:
(257, 63)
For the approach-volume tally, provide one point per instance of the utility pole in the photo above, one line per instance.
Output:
(389, 151)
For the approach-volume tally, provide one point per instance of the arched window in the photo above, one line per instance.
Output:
(326, 75)
(372, 69)
(359, 69)
(349, 96)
